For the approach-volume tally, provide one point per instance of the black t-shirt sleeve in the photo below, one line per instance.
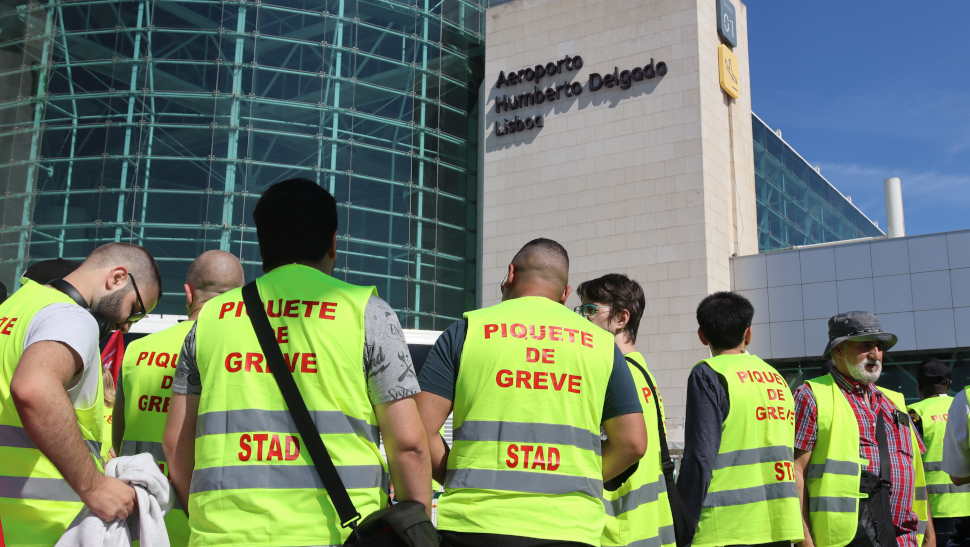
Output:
(621, 392)
(440, 370)
(707, 408)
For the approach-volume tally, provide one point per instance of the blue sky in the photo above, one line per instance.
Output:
(870, 90)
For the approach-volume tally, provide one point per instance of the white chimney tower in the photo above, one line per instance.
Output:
(894, 207)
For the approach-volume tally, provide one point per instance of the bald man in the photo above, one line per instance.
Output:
(530, 384)
(145, 381)
(51, 402)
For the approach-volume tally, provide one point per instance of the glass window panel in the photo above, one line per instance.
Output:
(774, 146)
(384, 102)
(758, 130)
(759, 159)
(773, 170)
(454, 242)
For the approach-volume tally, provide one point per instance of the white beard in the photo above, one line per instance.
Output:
(861, 375)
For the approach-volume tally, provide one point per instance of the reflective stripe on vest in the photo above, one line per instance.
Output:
(946, 499)
(37, 488)
(834, 468)
(521, 481)
(832, 505)
(753, 478)
(527, 411)
(752, 494)
(638, 512)
(514, 432)
(144, 447)
(254, 482)
(634, 499)
(16, 437)
(751, 456)
(280, 421)
(237, 477)
(36, 502)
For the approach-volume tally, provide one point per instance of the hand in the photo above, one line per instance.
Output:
(111, 499)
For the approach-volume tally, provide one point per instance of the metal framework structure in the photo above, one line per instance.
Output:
(159, 122)
(796, 205)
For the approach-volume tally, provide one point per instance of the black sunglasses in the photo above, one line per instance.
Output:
(144, 311)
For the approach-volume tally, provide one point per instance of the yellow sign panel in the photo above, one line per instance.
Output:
(730, 71)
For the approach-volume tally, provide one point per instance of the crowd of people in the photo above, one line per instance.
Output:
(559, 434)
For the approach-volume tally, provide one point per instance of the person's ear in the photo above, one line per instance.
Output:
(700, 334)
(117, 278)
(565, 294)
(189, 294)
(748, 333)
(836, 353)
(622, 317)
(332, 254)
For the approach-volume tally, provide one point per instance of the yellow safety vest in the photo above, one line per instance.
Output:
(834, 469)
(529, 397)
(752, 497)
(946, 499)
(638, 513)
(36, 502)
(254, 483)
(146, 377)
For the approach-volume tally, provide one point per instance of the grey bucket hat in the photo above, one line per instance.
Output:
(856, 325)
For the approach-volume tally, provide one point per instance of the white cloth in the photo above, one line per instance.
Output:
(956, 439)
(147, 524)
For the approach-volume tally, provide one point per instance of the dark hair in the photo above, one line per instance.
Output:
(620, 293)
(723, 317)
(550, 250)
(135, 258)
(295, 221)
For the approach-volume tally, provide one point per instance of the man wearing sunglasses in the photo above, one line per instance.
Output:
(530, 384)
(51, 394)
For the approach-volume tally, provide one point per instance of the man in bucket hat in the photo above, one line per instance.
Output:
(857, 456)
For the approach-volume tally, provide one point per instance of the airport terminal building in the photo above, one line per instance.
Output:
(451, 132)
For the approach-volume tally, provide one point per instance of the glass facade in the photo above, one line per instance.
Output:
(159, 122)
(796, 205)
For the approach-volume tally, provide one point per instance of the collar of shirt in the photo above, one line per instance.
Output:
(850, 385)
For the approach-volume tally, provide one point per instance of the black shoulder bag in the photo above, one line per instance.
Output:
(875, 512)
(683, 531)
(402, 525)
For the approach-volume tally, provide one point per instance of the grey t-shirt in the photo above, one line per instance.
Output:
(73, 326)
(387, 361)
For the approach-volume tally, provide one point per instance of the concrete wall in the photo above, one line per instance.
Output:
(918, 286)
(655, 181)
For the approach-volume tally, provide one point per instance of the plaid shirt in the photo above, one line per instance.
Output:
(897, 436)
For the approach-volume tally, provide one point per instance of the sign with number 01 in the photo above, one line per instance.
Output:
(726, 26)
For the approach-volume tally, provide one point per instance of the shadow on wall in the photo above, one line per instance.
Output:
(516, 119)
